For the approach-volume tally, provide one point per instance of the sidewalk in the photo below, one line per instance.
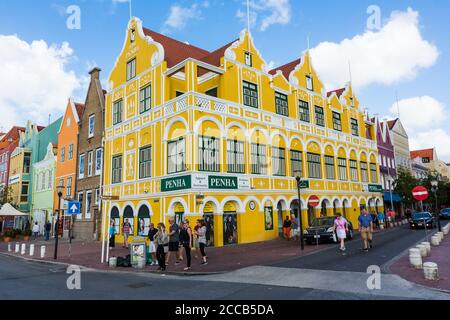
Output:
(223, 259)
(439, 255)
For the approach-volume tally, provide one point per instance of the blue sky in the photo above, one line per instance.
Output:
(383, 61)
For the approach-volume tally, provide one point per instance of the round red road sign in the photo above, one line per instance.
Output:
(313, 201)
(420, 193)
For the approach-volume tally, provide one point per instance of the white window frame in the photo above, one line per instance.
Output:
(80, 216)
(81, 168)
(69, 187)
(91, 126)
(87, 210)
(98, 171)
(90, 163)
(97, 196)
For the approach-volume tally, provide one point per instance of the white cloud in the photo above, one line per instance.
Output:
(35, 82)
(420, 112)
(438, 138)
(179, 16)
(424, 119)
(394, 53)
(268, 12)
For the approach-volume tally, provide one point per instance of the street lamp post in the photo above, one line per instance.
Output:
(60, 189)
(302, 244)
(434, 188)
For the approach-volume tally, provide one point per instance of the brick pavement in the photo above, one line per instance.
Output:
(439, 255)
(221, 259)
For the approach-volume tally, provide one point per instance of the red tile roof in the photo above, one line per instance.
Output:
(176, 51)
(287, 68)
(338, 92)
(425, 153)
(11, 134)
(391, 123)
(213, 58)
(80, 109)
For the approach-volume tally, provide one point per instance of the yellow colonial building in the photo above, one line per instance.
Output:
(216, 135)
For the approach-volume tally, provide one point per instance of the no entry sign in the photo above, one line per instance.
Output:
(420, 193)
(313, 201)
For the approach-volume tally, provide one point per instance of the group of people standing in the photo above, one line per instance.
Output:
(290, 228)
(165, 243)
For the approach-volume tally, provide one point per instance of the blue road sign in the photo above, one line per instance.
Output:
(74, 208)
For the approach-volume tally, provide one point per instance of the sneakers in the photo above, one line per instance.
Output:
(204, 263)
(366, 250)
(187, 269)
(342, 249)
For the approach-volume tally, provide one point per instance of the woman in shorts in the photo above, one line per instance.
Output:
(341, 229)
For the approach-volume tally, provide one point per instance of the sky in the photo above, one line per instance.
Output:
(396, 53)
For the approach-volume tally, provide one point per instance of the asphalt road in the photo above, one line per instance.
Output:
(29, 280)
(20, 279)
(386, 246)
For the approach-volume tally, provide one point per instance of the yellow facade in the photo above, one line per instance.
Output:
(181, 109)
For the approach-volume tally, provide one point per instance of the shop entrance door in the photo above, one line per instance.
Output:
(230, 230)
(311, 215)
(209, 223)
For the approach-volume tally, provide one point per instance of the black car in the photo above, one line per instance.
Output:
(422, 220)
(321, 230)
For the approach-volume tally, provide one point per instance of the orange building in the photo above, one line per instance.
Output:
(66, 165)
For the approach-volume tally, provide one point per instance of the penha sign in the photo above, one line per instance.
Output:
(218, 182)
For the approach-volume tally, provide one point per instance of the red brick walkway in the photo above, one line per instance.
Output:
(88, 254)
(219, 259)
(439, 255)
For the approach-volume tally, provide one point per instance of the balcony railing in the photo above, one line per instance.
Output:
(211, 104)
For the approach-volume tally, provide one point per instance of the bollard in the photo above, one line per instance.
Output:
(31, 250)
(140, 263)
(445, 231)
(9, 247)
(23, 249)
(435, 241)
(42, 252)
(113, 262)
(415, 259)
(430, 271)
(441, 235)
(428, 246)
(422, 249)
(17, 248)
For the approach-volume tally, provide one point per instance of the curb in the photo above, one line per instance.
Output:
(135, 271)
(387, 268)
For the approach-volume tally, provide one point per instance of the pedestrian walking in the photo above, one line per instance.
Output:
(47, 229)
(186, 242)
(162, 242)
(375, 219)
(365, 226)
(201, 233)
(35, 230)
(152, 231)
(341, 228)
(287, 228)
(381, 218)
(112, 235)
(174, 241)
(196, 247)
(295, 234)
(126, 230)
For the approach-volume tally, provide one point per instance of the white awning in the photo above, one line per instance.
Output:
(9, 211)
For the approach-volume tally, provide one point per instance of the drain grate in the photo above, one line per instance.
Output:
(139, 285)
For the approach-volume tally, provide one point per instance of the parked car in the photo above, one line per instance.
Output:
(422, 220)
(321, 230)
(445, 213)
